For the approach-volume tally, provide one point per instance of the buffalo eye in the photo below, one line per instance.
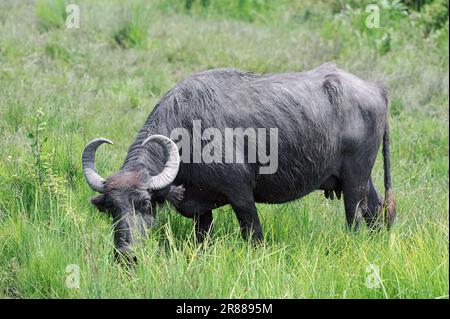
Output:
(147, 202)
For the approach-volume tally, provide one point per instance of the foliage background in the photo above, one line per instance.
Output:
(61, 87)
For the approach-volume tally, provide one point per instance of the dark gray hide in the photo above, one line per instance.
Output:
(330, 127)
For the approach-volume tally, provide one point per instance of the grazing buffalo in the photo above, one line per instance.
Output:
(329, 126)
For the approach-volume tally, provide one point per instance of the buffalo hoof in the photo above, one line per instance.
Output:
(124, 256)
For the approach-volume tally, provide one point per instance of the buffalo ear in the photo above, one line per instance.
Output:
(99, 202)
(176, 195)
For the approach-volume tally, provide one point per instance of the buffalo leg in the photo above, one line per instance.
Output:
(203, 225)
(247, 216)
(355, 188)
(374, 207)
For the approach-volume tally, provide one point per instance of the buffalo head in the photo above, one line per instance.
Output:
(130, 195)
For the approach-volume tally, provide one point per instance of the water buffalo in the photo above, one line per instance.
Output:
(330, 125)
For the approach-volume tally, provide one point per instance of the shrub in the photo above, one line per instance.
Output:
(434, 15)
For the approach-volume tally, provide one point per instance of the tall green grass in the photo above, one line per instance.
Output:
(59, 88)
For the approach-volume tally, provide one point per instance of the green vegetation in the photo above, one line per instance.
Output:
(61, 87)
(50, 14)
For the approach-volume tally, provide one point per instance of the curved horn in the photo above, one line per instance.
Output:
(95, 181)
(170, 171)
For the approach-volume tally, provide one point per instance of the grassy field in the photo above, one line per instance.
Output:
(61, 87)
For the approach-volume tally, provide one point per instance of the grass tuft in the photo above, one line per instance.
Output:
(50, 14)
(133, 27)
